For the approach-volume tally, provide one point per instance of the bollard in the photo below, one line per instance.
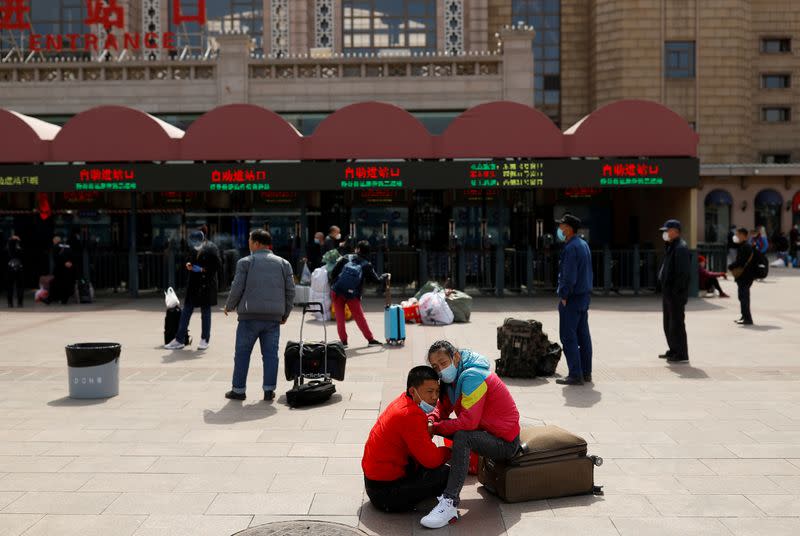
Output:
(637, 270)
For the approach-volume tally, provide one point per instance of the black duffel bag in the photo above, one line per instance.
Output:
(546, 364)
(310, 393)
(314, 359)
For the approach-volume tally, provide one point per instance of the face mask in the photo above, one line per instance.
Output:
(448, 375)
(424, 406)
(560, 234)
(736, 239)
(316, 241)
(338, 237)
(665, 236)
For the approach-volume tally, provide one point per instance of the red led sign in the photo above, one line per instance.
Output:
(631, 170)
(582, 192)
(371, 172)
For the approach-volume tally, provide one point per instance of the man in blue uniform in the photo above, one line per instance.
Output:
(575, 291)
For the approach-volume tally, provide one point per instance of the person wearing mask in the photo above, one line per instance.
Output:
(315, 251)
(575, 293)
(708, 280)
(402, 466)
(760, 241)
(15, 271)
(64, 274)
(744, 274)
(347, 286)
(262, 293)
(674, 276)
(486, 423)
(333, 240)
(201, 291)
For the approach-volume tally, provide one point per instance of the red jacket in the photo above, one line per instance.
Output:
(399, 436)
(704, 275)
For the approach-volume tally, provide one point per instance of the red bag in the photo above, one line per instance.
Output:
(412, 314)
(473, 458)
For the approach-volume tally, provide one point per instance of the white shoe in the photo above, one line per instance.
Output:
(444, 514)
(203, 345)
(174, 345)
(709, 294)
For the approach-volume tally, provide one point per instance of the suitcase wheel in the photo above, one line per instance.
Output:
(597, 460)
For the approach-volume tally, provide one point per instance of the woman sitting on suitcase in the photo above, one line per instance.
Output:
(402, 466)
(487, 420)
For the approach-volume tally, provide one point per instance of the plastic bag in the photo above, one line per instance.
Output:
(321, 292)
(171, 299)
(434, 310)
(305, 279)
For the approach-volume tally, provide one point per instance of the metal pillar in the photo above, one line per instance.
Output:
(133, 259)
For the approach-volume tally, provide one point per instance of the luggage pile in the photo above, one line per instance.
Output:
(438, 306)
(525, 350)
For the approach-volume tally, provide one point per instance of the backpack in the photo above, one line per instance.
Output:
(348, 284)
(760, 265)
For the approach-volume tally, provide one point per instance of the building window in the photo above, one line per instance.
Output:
(57, 17)
(776, 81)
(222, 16)
(768, 205)
(776, 115)
(388, 24)
(718, 205)
(776, 158)
(545, 17)
(776, 45)
(679, 59)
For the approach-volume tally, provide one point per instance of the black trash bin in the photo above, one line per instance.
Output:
(93, 369)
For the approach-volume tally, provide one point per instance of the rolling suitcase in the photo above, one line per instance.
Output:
(314, 359)
(394, 319)
(311, 388)
(552, 463)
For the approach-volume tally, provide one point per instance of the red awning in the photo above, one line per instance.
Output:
(631, 128)
(241, 132)
(499, 130)
(24, 139)
(116, 134)
(369, 130)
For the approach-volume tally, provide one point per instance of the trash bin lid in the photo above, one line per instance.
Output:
(92, 354)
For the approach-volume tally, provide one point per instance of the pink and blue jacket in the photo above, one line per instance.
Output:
(480, 400)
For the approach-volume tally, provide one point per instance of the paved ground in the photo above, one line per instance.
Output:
(708, 448)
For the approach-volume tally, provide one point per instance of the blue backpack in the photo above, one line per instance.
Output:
(348, 284)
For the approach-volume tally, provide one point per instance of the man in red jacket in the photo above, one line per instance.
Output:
(402, 466)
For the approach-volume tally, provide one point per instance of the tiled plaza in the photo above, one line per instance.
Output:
(709, 448)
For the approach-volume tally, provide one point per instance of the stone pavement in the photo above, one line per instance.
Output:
(708, 448)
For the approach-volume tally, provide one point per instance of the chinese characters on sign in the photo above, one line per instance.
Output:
(359, 185)
(100, 179)
(15, 16)
(631, 175)
(239, 180)
(19, 180)
(371, 172)
(522, 174)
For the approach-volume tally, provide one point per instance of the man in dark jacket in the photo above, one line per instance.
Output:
(744, 263)
(315, 251)
(64, 273)
(201, 291)
(347, 285)
(674, 276)
(15, 273)
(333, 240)
(575, 293)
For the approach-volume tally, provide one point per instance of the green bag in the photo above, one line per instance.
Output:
(461, 305)
(430, 286)
(330, 259)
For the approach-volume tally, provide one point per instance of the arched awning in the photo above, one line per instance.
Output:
(768, 197)
(500, 130)
(718, 198)
(241, 132)
(25, 139)
(631, 128)
(369, 130)
(116, 134)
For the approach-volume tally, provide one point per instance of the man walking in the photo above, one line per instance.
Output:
(262, 293)
(575, 290)
(743, 273)
(674, 276)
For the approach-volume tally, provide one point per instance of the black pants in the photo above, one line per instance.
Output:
(713, 284)
(675, 326)
(403, 494)
(15, 286)
(744, 299)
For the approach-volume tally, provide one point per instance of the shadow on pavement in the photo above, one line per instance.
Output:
(524, 382)
(236, 411)
(333, 400)
(581, 396)
(759, 327)
(75, 402)
(687, 371)
(180, 355)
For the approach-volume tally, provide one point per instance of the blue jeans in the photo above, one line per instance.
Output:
(268, 333)
(575, 337)
(186, 314)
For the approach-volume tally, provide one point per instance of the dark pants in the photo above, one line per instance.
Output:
(712, 284)
(575, 337)
(15, 286)
(744, 299)
(186, 315)
(675, 325)
(481, 443)
(403, 494)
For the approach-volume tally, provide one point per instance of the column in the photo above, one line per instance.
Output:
(232, 76)
(518, 64)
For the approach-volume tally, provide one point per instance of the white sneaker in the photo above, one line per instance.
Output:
(203, 345)
(709, 294)
(444, 514)
(174, 345)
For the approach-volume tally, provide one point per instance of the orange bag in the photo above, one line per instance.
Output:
(347, 314)
(473, 458)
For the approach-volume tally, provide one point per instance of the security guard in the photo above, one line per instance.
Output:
(575, 291)
(674, 277)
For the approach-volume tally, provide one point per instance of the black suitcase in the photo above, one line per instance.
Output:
(311, 388)
(314, 359)
(85, 292)
(172, 321)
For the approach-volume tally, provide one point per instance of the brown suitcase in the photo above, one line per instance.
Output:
(553, 463)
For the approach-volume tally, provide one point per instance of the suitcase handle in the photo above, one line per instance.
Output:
(313, 307)
(388, 290)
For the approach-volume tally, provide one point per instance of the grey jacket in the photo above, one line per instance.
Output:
(263, 288)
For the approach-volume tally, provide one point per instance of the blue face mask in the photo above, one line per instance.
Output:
(317, 241)
(449, 374)
(560, 234)
(424, 406)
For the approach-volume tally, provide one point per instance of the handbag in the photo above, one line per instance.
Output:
(739, 270)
